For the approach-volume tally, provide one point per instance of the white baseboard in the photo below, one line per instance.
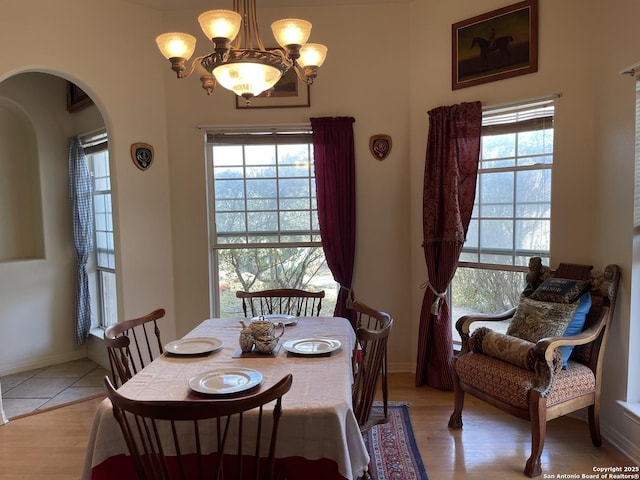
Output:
(624, 445)
(401, 368)
(33, 363)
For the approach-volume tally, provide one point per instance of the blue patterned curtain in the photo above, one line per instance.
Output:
(80, 196)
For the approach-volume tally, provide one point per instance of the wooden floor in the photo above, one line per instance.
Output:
(491, 445)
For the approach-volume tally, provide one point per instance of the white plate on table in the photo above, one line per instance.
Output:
(194, 346)
(311, 346)
(225, 381)
(287, 320)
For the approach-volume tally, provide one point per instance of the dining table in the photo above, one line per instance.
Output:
(318, 436)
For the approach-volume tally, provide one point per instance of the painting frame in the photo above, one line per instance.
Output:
(77, 99)
(496, 45)
(289, 92)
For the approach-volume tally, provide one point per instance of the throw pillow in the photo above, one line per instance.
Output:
(535, 319)
(560, 290)
(509, 349)
(575, 326)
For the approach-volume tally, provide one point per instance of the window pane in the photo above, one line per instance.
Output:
(535, 142)
(260, 269)
(103, 282)
(532, 235)
(534, 193)
(475, 290)
(108, 298)
(498, 146)
(511, 218)
(296, 220)
(263, 222)
(231, 222)
(496, 234)
(280, 209)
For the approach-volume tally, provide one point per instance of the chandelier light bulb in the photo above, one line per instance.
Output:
(176, 45)
(247, 79)
(312, 55)
(220, 24)
(291, 31)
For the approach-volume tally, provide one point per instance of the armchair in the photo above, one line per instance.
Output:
(525, 377)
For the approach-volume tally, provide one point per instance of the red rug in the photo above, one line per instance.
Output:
(392, 447)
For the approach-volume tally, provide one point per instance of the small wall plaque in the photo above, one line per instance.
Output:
(380, 146)
(142, 155)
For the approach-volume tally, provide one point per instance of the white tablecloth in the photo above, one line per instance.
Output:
(318, 420)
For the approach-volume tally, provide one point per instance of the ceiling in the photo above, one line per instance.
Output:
(211, 4)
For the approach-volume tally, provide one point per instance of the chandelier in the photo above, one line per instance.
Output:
(239, 61)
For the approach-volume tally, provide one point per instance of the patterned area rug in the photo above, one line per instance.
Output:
(392, 447)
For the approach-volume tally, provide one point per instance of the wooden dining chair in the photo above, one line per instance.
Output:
(370, 363)
(132, 344)
(286, 301)
(196, 439)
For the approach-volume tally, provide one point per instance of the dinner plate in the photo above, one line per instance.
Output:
(279, 317)
(311, 346)
(225, 381)
(193, 346)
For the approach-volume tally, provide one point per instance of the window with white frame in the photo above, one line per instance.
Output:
(102, 265)
(511, 217)
(263, 218)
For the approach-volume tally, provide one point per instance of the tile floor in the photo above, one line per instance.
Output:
(47, 387)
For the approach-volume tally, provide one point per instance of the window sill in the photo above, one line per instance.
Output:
(97, 332)
(631, 410)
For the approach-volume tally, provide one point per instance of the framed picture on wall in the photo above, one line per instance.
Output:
(77, 99)
(289, 92)
(496, 45)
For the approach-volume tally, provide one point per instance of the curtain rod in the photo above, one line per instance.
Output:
(631, 70)
(97, 131)
(522, 102)
(263, 127)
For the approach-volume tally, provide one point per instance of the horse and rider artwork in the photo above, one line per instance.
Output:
(499, 44)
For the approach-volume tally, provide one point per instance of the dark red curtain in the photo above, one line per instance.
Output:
(451, 167)
(335, 165)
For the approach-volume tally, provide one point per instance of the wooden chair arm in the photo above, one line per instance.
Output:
(463, 324)
(545, 347)
(544, 350)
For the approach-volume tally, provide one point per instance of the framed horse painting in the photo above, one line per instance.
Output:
(496, 45)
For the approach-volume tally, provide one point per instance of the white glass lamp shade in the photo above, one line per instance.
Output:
(220, 24)
(176, 45)
(312, 55)
(247, 79)
(291, 31)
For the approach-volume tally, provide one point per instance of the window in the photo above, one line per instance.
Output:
(102, 268)
(511, 218)
(263, 215)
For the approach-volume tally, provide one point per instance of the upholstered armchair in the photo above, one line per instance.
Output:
(548, 364)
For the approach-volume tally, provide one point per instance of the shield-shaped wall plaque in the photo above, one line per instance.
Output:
(142, 155)
(380, 146)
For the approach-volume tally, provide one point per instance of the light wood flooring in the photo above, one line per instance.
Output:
(491, 445)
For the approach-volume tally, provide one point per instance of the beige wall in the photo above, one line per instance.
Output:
(63, 39)
(388, 83)
(377, 97)
(583, 46)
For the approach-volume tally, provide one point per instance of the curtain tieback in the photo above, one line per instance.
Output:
(435, 306)
(349, 301)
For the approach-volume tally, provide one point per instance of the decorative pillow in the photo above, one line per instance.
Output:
(509, 349)
(536, 319)
(575, 326)
(560, 290)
